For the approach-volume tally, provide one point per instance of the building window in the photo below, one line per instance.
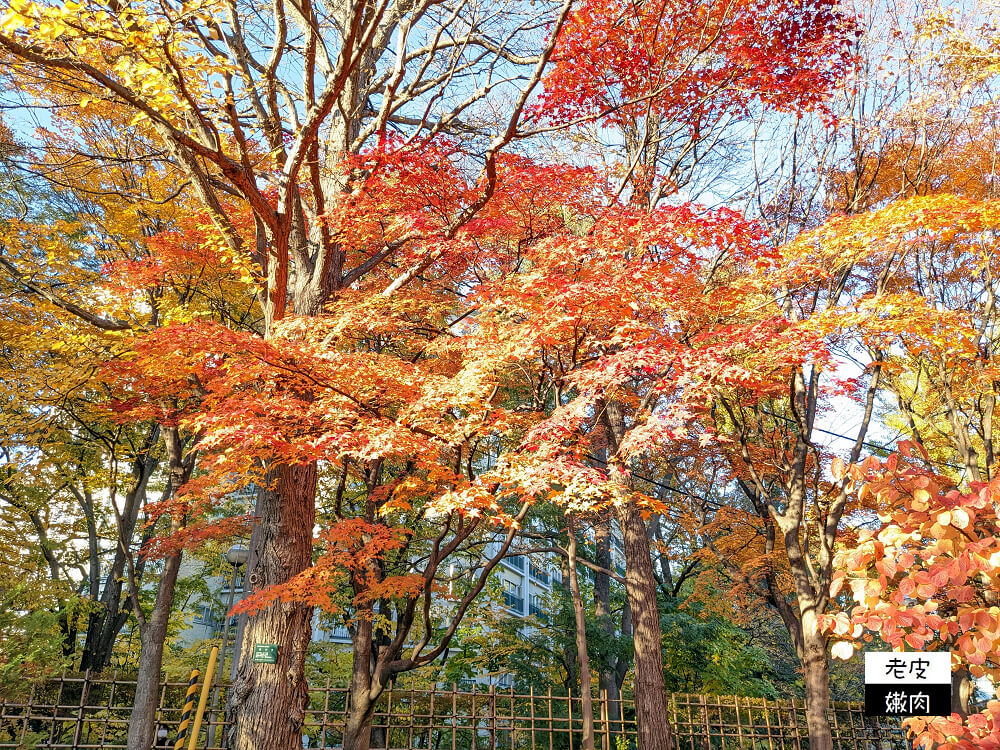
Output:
(538, 572)
(536, 607)
(517, 561)
(512, 596)
(204, 615)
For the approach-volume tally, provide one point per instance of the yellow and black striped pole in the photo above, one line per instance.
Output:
(203, 700)
(189, 700)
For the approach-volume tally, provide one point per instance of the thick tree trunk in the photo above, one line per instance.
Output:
(267, 702)
(142, 722)
(586, 700)
(358, 729)
(652, 716)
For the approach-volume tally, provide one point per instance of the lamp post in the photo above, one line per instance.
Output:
(236, 556)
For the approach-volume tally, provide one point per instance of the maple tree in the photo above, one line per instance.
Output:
(288, 184)
(400, 410)
(936, 334)
(364, 247)
(669, 96)
(857, 284)
(659, 376)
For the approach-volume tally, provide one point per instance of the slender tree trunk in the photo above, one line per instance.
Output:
(651, 714)
(67, 622)
(358, 730)
(153, 632)
(586, 700)
(104, 625)
(268, 701)
(607, 677)
(651, 710)
(142, 722)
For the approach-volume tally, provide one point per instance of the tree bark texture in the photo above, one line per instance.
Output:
(608, 675)
(816, 674)
(961, 691)
(651, 715)
(153, 631)
(651, 710)
(142, 722)
(267, 703)
(358, 730)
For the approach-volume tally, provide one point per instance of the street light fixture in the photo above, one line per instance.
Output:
(236, 556)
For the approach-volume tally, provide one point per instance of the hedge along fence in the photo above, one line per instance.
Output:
(92, 711)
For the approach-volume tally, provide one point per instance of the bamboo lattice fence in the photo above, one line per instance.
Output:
(93, 712)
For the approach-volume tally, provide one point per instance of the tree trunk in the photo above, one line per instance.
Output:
(816, 673)
(607, 677)
(358, 730)
(586, 701)
(961, 692)
(104, 625)
(142, 722)
(267, 702)
(153, 632)
(651, 714)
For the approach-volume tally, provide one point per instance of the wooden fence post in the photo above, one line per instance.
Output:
(27, 714)
(531, 703)
(493, 717)
(84, 695)
(454, 715)
(707, 743)
(55, 710)
(569, 716)
(602, 702)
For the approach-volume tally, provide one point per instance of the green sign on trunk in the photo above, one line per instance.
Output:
(265, 653)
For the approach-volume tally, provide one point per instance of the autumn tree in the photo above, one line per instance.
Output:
(297, 138)
(366, 69)
(883, 144)
(670, 98)
(123, 262)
